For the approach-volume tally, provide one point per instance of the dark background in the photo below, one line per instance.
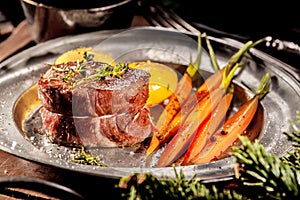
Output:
(245, 20)
(254, 18)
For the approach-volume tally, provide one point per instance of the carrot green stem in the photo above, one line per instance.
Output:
(237, 56)
(264, 86)
(228, 75)
(211, 54)
(258, 42)
(193, 66)
(233, 63)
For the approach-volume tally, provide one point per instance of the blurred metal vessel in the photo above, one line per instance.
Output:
(49, 20)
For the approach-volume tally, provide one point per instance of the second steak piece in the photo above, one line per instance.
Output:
(85, 90)
(107, 131)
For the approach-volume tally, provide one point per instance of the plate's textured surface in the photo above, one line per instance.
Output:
(19, 73)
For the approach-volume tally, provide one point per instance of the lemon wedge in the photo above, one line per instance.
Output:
(162, 83)
(78, 54)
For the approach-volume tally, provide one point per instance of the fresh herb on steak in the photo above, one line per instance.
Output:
(108, 71)
(79, 72)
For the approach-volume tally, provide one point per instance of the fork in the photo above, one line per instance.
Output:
(158, 15)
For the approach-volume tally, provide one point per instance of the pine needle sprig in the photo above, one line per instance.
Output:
(266, 173)
(146, 187)
(294, 136)
(293, 158)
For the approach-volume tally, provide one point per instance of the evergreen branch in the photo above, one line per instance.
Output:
(295, 135)
(293, 158)
(266, 173)
(146, 186)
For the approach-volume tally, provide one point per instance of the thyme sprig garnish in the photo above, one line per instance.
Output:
(108, 71)
(79, 72)
(82, 157)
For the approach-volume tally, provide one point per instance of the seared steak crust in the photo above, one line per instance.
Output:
(108, 131)
(80, 97)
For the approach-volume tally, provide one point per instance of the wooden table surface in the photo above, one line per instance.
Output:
(86, 185)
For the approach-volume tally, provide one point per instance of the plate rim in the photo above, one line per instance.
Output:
(227, 173)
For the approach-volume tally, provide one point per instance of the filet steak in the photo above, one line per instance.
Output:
(95, 104)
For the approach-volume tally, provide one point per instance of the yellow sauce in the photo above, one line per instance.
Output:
(163, 80)
(78, 54)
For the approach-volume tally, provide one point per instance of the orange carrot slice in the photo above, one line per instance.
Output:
(176, 100)
(207, 128)
(224, 137)
(165, 133)
(211, 83)
(175, 103)
(178, 144)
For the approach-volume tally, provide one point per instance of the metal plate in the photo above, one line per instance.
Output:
(18, 96)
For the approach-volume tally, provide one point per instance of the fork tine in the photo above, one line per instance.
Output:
(174, 20)
(156, 15)
(158, 20)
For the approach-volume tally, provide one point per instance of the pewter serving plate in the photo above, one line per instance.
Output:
(19, 101)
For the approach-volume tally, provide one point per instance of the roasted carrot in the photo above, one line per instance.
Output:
(177, 146)
(193, 120)
(176, 100)
(226, 135)
(182, 92)
(207, 128)
(165, 133)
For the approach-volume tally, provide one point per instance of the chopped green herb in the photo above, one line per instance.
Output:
(109, 71)
(82, 157)
(83, 71)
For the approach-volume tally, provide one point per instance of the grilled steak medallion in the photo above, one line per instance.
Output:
(94, 104)
(66, 89)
